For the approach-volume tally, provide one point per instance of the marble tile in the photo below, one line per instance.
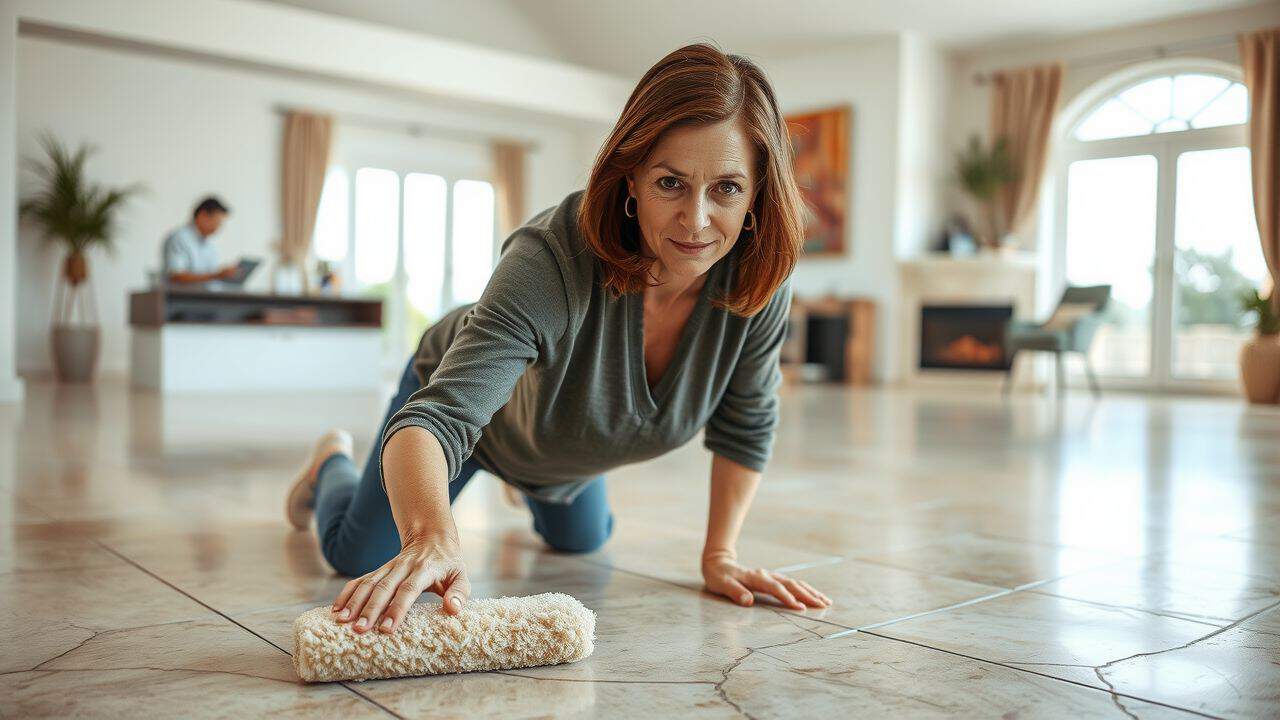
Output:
(200, 667)
(686, 635)
(30, 547)
(993, 561)
(493, 566)
(514, 695)
(1169, 588)
(1233, 673)
(912, 508)
(247, 565)
(1218, 553)
(46, 612)
(868, 594)
(881, 677)
(837, 533)
(1062, 638)
(127, 499)
(674, 665)
(234, 566)
(674, 554)
(1265, 531)
(16, 510)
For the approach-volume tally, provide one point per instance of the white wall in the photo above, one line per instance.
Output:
(187, 127)
(925, 81)
(11, 388)
(896, 88)
(487, 23)
(865, 77)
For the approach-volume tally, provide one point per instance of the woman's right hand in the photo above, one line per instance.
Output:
(382, 598)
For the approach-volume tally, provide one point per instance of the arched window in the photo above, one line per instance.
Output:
(1153, 197)
(1167, 104)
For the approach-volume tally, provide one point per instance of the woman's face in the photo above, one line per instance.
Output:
(695, 188)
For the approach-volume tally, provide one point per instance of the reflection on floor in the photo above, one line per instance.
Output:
(1021, 559)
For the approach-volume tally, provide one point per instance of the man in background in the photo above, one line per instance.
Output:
(188, 255)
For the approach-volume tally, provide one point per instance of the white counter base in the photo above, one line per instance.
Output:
(204, 358)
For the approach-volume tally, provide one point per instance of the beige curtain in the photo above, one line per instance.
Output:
(1023, 105)
(1260, 57)
(508, 185)
(304, 162)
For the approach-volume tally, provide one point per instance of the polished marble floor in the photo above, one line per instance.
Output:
(987, 558)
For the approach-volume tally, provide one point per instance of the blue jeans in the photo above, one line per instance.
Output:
(358, 533)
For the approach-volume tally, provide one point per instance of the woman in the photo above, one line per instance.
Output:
(616, 325)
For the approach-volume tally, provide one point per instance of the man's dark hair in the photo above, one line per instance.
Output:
(210, 204)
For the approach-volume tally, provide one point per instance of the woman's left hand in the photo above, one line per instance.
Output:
(724, 576)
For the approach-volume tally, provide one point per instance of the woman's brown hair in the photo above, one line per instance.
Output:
(699, 84)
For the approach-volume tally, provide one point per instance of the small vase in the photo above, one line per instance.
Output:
(75, 268)
(1260, 369)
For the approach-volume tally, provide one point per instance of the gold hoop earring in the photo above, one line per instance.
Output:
(752, 226)
(626, 204)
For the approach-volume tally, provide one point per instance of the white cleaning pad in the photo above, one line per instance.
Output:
(491, 634)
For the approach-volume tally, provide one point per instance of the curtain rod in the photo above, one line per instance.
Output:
(1142, 53)
(410, 127)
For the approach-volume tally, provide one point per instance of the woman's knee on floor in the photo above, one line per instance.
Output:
(578, 537)
(348, 561)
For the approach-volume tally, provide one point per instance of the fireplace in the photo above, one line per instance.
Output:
(964, 337)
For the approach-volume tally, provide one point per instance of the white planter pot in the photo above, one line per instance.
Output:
(75, 352)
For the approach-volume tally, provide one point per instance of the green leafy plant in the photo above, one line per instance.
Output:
(69, 209)
(981, 173)
(1260, 309)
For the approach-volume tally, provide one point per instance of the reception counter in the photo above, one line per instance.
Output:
(208, 341)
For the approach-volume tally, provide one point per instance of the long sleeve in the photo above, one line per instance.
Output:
(522, 310)
(742, 426)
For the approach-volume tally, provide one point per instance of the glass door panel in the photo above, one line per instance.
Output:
(1217, 257)
(424, 252)
(1111, 231)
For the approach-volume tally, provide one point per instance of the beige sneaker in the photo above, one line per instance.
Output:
(298, 503)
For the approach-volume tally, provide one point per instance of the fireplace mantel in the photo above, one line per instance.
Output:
(985, 278)
(981, 262)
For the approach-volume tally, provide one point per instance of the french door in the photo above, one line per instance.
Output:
(412, 225)
(1167, 221)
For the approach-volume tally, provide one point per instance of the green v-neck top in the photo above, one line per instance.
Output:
(543, 378)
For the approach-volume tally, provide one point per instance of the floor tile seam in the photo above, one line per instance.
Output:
(924, 613)
(1018, 668)
(232, 620)
(1015, 588)
(830, 560)
(1195, 641)
(1052, 545)
(1203, 620)
(49, 517)
(917, 571)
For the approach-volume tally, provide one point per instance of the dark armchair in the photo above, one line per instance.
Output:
(1069, 329)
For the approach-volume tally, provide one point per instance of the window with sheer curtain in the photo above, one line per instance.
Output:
(1155, 201)
(422, 243)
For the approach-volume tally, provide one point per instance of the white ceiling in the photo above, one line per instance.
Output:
(626, 37)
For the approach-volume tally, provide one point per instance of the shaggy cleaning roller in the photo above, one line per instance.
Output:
(491, 634)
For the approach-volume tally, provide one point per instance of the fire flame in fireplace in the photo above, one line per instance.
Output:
(969, 350)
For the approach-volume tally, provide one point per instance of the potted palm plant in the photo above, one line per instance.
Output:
(981, 173)
(77, 215)
(1260, 357)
